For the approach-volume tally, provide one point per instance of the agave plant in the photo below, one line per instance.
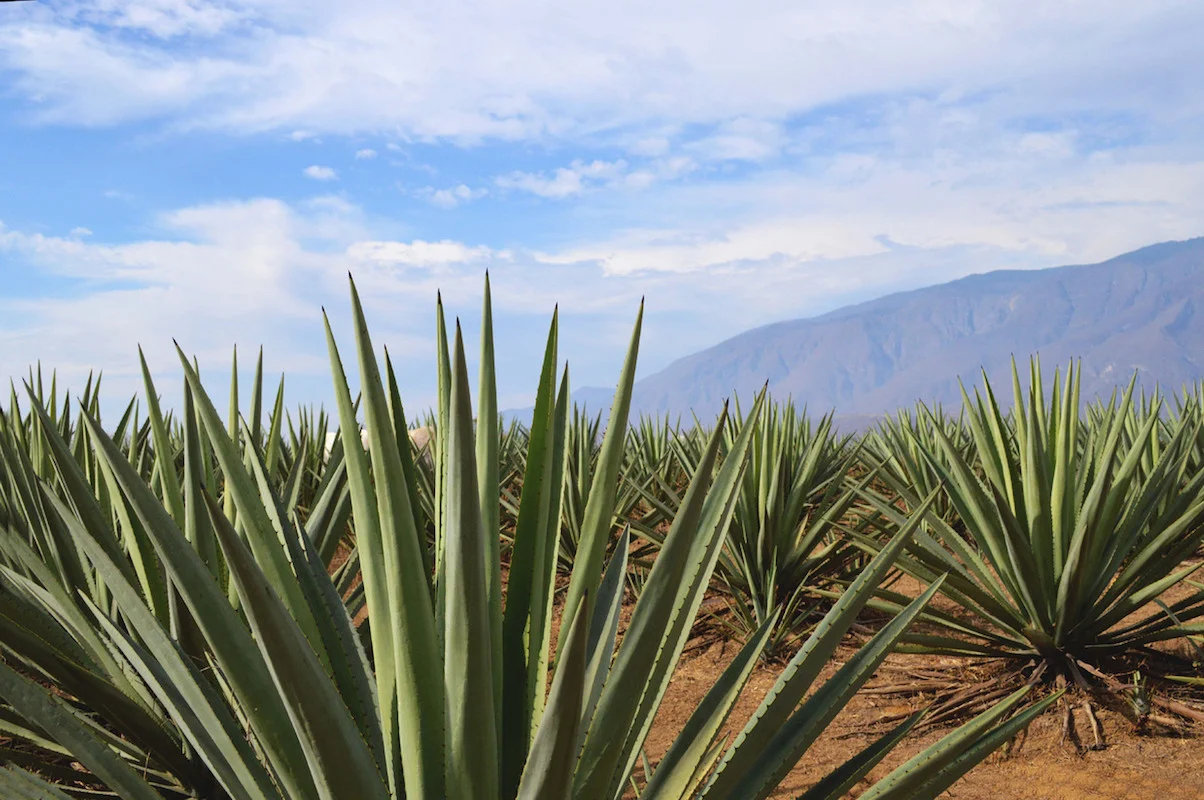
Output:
(1072, 530)
(127, 669)
(583, 445)
(785, 542)
(903, 445)
(654, 465)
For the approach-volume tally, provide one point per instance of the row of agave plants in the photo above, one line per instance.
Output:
(203, 605)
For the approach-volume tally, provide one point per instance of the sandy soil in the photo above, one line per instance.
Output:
(1164, 765)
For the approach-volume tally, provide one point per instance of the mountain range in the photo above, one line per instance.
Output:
(1140, 312)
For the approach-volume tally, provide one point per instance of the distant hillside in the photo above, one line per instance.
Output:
(1138, 311)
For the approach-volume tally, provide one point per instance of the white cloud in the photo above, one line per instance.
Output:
(164, 19)
(419, 253)
(741, 139)
(650, 146)
(220, 273)
(565, 181)
(662, 169)
(512, 72)
(1058, 144)
(1088, 210)
(319, 173)
(451, 197)
(365, 154)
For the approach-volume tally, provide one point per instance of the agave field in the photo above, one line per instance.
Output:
(217, 605)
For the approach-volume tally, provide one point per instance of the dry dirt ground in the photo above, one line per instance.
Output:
(1163, 765)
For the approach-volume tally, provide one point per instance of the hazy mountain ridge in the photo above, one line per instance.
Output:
(1137, 312)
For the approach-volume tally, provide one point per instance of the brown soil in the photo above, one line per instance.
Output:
(1163, 765)
(1163, 762)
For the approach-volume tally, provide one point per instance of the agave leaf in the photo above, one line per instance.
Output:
(31, 632)
(802, 670)
(370, 551)
(231, 643)
(340, 761)
(599, 510)
(439, 440)
(54, 716)
(935, 769)
(18, 784)
(337, 649)
(271, 456)
(420, 693)
(56, 601)
(328, 517)
(232, 429)
(191, 701)
(253, 517)
(689, 588)
(468, 643)
(675, 774)
(839, 781)
(548, 774)
(406, 453)
(804, 726)
(489, 486)
(90, 515)
(138, 545)
(529, 589)
(47, 538)
(352, 669)
(256, 415)
(285, 533)
(978, 750)
(173, 495)
(604, 628)
(196, 520)
(660, 623)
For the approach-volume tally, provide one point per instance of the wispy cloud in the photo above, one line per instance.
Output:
(511, 72)
(421, 254)
(451, 197)
(320, 173)
(565, 181)
(365, 154)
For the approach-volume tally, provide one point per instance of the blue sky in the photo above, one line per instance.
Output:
(210, 171)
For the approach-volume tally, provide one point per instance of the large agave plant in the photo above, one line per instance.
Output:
(1073, 529)
(129, 671)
